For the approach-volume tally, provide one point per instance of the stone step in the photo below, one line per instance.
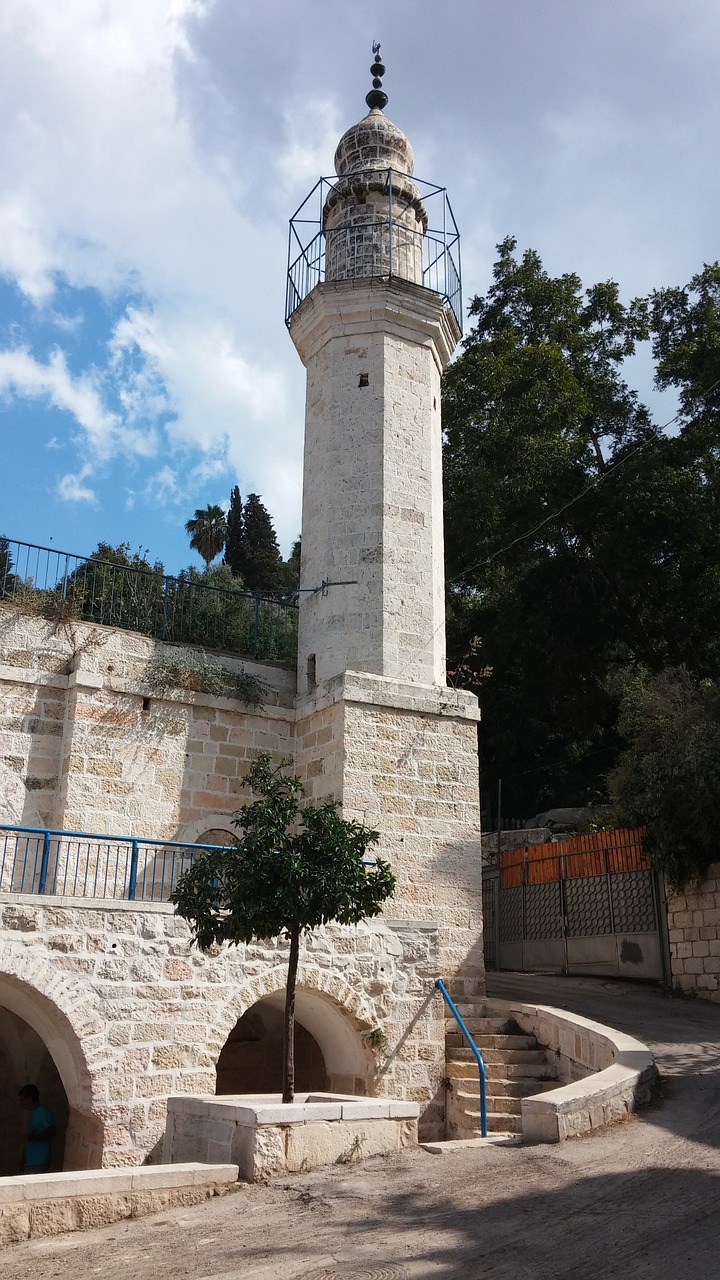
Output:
(497, 1122)
(494, 1103)
(456, 1040)
(507, 1090)
(514, 1088)
(493, 1056)
(470, 1103)
(467, 1070)
(479, 1026)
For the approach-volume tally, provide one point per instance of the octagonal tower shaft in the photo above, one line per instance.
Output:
(372, 494)
(375, 341)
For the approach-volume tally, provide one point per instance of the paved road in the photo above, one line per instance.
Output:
(641, 1200)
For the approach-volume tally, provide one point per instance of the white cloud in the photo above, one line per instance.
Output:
(73, 489)
(312, 130)
(163, 487)
(22, 375)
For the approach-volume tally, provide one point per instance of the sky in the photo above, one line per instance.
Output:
(152, 152)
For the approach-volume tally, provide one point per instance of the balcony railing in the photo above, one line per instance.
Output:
(72, 864)
(59, 584)
(377, 247)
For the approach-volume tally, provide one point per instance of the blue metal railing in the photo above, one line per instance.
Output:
(76, 864)
(473, 1049)
(137, 598)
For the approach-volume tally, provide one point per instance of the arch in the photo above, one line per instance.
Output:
(26, 1059)
(191, 833)
(251, 1060)
(332, 1012)
(70, 1026)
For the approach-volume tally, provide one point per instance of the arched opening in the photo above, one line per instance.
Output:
(38, 1046)
(25, 1059)
(329, 1052)
(251, 1058)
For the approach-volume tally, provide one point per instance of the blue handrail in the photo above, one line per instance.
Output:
(473, 1049)
(83, 864)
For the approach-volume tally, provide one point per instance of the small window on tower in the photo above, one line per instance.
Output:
(311, 674)
(364, 380)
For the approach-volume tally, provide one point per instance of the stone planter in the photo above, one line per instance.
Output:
(263, 1137)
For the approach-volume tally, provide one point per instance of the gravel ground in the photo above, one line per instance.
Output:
(639, 1200)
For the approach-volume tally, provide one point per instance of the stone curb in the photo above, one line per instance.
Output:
(47, 1204)
(621, 1074)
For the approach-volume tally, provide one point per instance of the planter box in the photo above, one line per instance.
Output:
(264, 1137)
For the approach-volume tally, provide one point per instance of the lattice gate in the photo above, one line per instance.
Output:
(590, 904)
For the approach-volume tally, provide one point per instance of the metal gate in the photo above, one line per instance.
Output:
(590, 904)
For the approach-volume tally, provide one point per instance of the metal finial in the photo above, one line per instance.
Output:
(377, 96)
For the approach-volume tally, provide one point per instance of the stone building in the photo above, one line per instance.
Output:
(102, 999)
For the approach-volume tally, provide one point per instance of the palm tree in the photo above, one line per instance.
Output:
(208, 531)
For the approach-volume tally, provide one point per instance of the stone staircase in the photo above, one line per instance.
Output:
(516, 1066)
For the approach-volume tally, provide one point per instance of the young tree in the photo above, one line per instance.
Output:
(291, 568)
(293, 869)
(234, 542)
(668, 778)
(208, 531)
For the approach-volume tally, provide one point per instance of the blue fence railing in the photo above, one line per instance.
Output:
(76, 864)
(180, 609)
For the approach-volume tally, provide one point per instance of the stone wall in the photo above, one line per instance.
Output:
(694, 929)
(133, 1013)
(86, 744)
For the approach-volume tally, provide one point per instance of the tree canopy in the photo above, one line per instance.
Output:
(293, 869)
(208, 531)
(668, 777)
(580, 539)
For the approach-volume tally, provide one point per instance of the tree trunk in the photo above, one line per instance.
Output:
(289, 1029)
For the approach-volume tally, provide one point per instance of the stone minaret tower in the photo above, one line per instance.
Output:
(374, 340)
(373, 310)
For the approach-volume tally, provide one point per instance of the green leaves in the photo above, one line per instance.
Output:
(579, 539)
(668, 778)
(292, 867)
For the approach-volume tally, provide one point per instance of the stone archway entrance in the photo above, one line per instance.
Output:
(329, 1052)
(38, 1046)
(26, 1059)
(251, 1059)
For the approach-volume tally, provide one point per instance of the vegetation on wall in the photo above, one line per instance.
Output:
(192, 669)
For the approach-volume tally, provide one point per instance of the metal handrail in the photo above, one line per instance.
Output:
(46, 863)
(473, 1049)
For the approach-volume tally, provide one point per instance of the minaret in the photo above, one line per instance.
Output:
(373, 309)
(374, 333)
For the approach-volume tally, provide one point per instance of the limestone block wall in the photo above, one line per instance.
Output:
(133, 1013)
(115, 757)
(694, 930)
(86, 744)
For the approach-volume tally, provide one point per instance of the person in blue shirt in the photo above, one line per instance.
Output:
(37, 1152)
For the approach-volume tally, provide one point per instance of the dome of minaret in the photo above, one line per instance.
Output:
(374, 143)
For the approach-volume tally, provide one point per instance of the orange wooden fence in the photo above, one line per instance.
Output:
(587, 855)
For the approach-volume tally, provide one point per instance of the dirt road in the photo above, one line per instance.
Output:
(641, 1200)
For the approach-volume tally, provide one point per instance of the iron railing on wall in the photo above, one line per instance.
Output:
(59, 584)
(72, 864)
